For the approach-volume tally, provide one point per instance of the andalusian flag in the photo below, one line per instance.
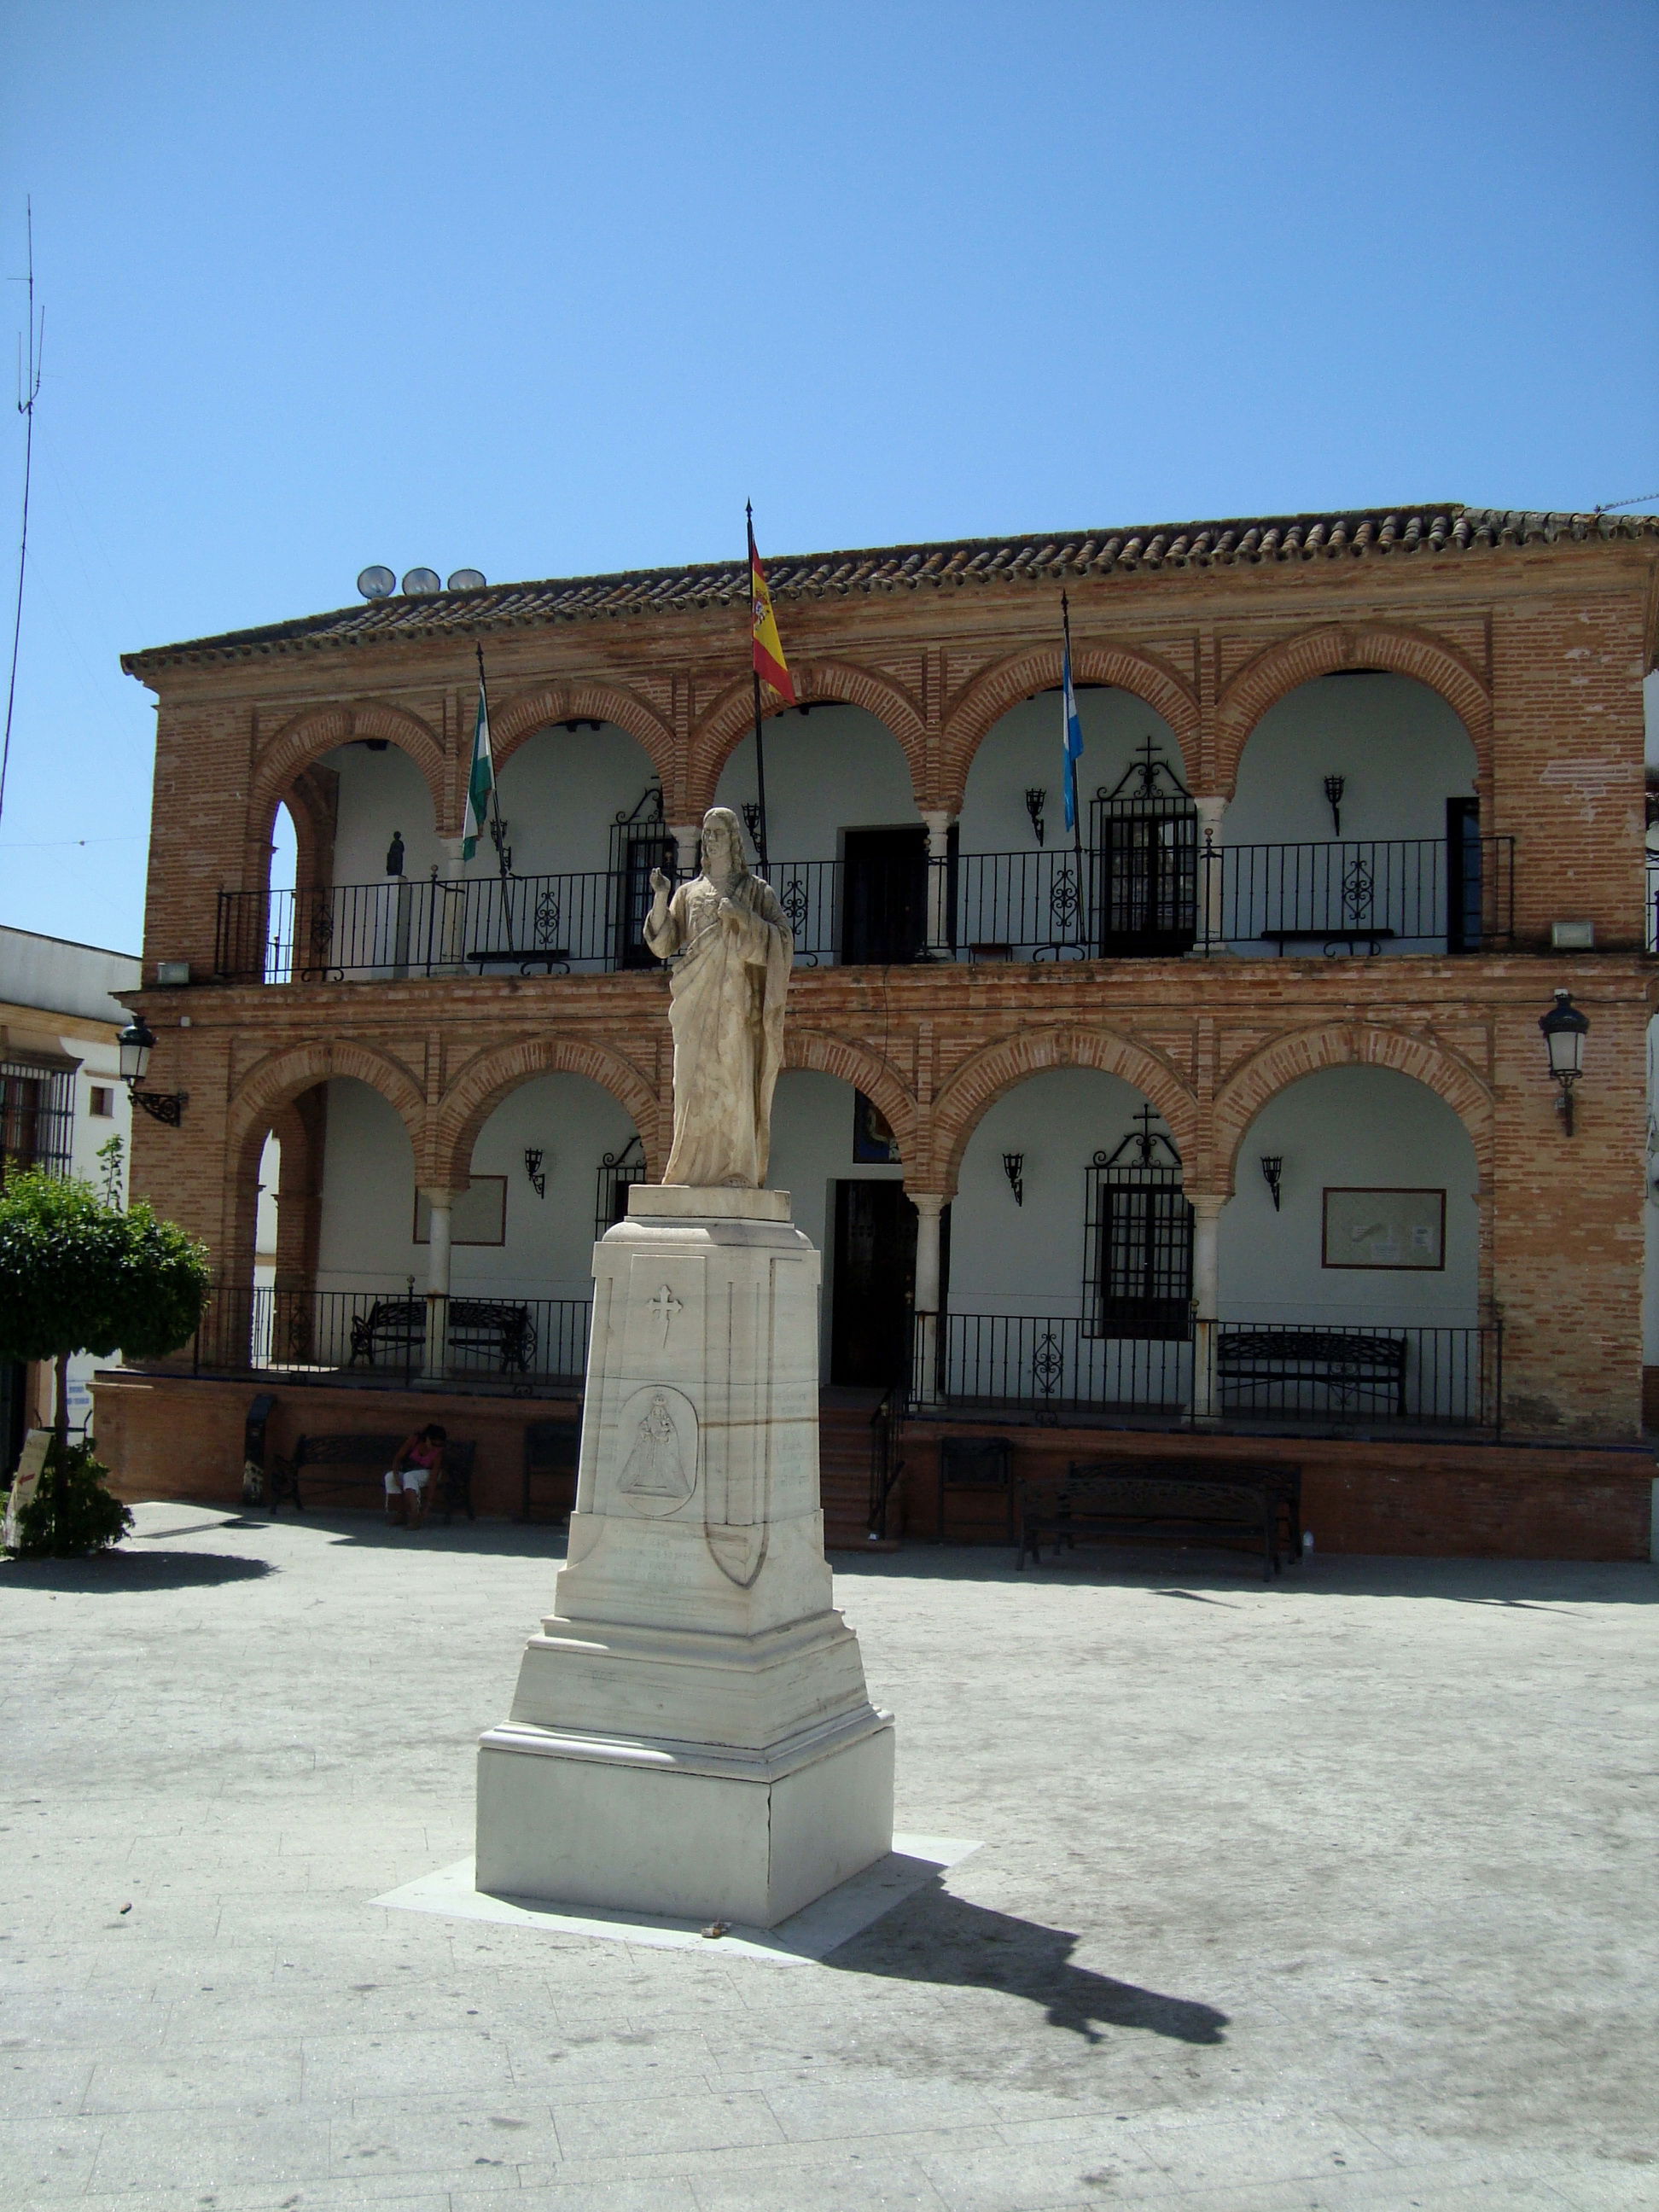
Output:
(769, 664)
(482, 780)
(1071, 722)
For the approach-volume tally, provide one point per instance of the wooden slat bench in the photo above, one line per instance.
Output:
(360, 1463)
(1239, 1506)
(398, 1326)
(1352, 1366)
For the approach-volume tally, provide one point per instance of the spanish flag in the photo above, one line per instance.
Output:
(769, 664)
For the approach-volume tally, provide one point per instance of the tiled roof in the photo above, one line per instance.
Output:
(1372, 534)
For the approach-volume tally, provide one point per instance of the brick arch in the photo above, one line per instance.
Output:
(1287, 1060)
(521, 716)
(1005, 685)
(726, 723)
(1283, 668)
(1001, 1067)
(299, 742)
(258, 1101)
(866, 1071)
(481, 1084)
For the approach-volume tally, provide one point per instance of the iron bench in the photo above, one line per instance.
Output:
(1350, 1366)
(360, 1463)
(545, 957)
(501, 1327)
(1254, 1506)
(1372, 939)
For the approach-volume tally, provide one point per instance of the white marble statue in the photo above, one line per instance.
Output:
(734, 950)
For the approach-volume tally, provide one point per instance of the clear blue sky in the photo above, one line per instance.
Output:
(543, 289)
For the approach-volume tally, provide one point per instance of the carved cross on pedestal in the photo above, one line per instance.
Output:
(667, 1305)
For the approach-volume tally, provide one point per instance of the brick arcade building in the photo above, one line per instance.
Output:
(1226, 1121)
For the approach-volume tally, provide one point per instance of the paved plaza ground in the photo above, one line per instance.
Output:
(1336, 1894)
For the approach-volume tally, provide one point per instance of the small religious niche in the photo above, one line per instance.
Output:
(873, 1141)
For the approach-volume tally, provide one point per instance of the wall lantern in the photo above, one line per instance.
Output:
(751, 820)
(1037, 798)
(137, 1042)
(533, 1156)
(1334, 787)
(1273, 1167)
(1565, 1028)
(1013, 1166)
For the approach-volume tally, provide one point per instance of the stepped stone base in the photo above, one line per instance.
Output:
(691, 1733)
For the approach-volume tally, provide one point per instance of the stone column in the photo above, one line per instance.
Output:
(1210, 910)
(448, 932)
(687, 837)
(938, 820)
(924, 1373)
(1206, 1219)
(436, 1366)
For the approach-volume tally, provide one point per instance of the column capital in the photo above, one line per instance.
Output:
(929, 1202)
(1207, 1204)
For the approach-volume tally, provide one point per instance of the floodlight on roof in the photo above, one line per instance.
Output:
(376, 583)
(417, 580)
(467, 580)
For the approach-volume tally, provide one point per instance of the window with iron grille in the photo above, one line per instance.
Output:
(37, 1117)
(618, 1173)
(1137, 1240)
(1145, 842)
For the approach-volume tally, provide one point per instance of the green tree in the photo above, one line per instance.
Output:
(79, 1275)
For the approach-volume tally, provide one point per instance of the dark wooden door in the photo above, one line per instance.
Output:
(1465, 898)
(875, 1259)
(883, 915)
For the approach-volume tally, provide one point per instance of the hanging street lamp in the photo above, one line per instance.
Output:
(137, 1042)
(1565, 1028)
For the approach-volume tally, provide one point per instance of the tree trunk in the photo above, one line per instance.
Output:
(60, 1414)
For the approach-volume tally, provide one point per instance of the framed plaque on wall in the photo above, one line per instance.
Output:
(1390, 1229)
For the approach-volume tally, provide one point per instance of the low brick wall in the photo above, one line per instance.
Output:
(1448, 1501)
(175, 1436)
(180, 1436)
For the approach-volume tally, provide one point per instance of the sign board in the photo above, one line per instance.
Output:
(31, 1466)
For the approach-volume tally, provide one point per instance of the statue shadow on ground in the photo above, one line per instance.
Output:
(120, 1572)
(943, 1938)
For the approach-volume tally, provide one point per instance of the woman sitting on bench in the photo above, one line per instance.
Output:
(419, 1459)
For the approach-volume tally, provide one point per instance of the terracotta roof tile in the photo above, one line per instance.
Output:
(1284, 538)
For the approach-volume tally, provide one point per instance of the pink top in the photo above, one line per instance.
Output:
(425, 1454)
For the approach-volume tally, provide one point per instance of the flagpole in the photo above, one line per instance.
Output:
(760, 746)
(497, 837)
(1070, 769)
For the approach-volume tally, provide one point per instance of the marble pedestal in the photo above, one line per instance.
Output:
(691, 1734)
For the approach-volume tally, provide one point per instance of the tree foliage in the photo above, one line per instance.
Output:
(79, 1275)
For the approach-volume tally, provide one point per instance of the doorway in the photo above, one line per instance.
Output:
(875, 1282)
(884, 918)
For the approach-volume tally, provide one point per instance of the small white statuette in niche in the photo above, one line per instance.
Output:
(658, 1432)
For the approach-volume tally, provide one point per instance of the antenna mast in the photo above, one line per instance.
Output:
(28, 388)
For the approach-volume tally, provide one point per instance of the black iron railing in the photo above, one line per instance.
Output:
(1355, 894)
(386, 1335)
(1345, 1374)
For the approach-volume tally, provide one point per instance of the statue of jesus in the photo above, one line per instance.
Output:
(734, 950)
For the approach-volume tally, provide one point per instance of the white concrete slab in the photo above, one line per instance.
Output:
(801, 1940)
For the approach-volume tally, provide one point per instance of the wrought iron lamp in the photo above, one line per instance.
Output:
(751, 821)
(1334, 787)
(533, 1156)
(1273, 1167)
(1565, 1028)
(1013, 1166)
(137, 1042)
(1037, 798)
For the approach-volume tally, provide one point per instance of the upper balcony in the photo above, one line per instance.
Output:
(1353, 828)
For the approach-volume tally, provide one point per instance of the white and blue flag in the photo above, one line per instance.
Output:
(1071, 735)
